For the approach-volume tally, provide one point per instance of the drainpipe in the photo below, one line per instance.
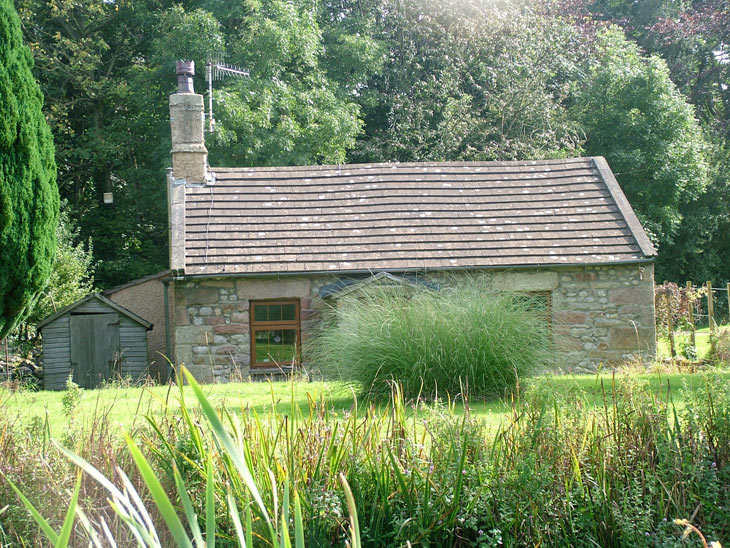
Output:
(168, 344)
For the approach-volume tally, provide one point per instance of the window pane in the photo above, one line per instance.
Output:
(274, 312)
(289, 312)
(260, 313)
(275, 346)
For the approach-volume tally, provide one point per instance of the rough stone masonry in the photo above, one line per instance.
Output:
(596, 316)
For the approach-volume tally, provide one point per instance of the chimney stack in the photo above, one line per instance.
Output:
(189, 155)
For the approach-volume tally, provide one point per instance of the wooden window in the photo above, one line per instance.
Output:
(275, 333)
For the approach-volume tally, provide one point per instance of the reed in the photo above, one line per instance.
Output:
(560, 471)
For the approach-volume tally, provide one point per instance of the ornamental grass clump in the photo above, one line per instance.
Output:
(467, 338)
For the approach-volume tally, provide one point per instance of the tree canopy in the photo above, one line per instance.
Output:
(633, 114)
(28, 193)
(335, 81)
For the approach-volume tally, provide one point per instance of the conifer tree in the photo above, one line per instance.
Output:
(28, 192)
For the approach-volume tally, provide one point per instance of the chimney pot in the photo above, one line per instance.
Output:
(185, 72)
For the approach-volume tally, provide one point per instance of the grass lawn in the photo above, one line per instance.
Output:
(702, 340)
(127, 406)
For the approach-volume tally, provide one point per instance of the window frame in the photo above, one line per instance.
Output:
(255, 326)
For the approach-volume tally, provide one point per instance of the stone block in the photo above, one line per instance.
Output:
(240, 317)
(202, 372)
(181, 316)
(608, 322)
(183, 354)
(569, 317)
(231, 328)
(628, 338)
(214, 320)
(225, 349)
(200, 295)
(627, 295)
(194, 335)
(220, 283)
(272, 288)
(526, 281)
(588, 276)
(565, 343)
(241, 339)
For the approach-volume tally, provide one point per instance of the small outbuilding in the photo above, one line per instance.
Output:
(95, 340)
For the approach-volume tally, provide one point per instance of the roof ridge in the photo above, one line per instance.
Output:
(394, 165)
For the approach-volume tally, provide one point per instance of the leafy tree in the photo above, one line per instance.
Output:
(469, 80)
(634, 115)
(73, 272)
(107, 107)
(28, 193)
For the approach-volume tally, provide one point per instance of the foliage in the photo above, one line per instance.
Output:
(289, 112)
(468, 81)
(692, 38)
(71, 398)
(564, 469)
(236, 479)
(382, 80)
(107, 108)
(467, 339)
(28, 193)
(73, 272)
(719, 346)
(634, 115)
(672, 305)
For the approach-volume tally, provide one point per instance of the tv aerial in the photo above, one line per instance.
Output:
(219, 71)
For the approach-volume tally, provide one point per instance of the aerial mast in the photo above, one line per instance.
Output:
(218, 71)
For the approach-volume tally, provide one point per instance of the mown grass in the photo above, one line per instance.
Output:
(127, 407)
(702, 341)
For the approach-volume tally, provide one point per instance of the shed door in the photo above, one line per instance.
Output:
(94, 347)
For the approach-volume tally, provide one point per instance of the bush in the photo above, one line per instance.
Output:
(433, 342)
(720, 346)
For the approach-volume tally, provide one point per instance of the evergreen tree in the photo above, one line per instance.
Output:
(28, 194)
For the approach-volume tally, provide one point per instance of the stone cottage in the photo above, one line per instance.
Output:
(256, 252)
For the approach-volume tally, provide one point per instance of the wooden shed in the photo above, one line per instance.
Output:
(95, 339)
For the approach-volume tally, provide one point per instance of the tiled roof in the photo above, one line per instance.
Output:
(380, 217)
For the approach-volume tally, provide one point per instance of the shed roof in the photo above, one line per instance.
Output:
(409, 216)
(102, 299)
(150, 277)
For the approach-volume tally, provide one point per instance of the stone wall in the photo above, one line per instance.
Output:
(599, 315)
(212, 335)
(604, 315)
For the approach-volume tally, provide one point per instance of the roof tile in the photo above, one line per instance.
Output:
(410, 216)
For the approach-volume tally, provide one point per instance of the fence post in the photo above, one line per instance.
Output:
(691, 315)
(710, 308)
(670, 327)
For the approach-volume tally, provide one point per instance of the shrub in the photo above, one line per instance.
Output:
(433, 342)
(720, 346)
